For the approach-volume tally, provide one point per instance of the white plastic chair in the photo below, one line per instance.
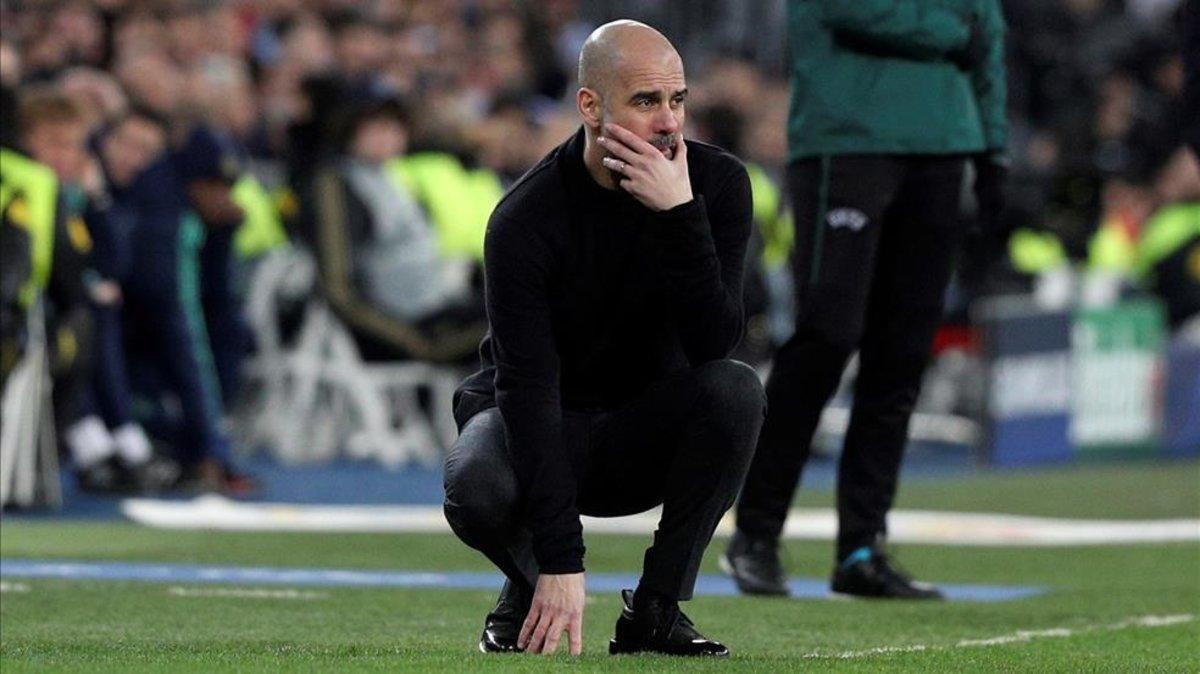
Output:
(318, 397)
(28, 447)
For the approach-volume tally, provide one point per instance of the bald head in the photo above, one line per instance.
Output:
(621, 45)
(630, 77)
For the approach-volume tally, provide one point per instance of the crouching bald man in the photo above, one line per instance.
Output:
(614, 284)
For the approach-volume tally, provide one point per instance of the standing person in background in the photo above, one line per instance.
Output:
(891, 100)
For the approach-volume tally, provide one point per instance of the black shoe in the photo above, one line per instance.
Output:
(503, 625)
(155, 475)
(753, 563)
(868, 572)
(109, 476)
(237, 484)
(211, 477)
(658, 626)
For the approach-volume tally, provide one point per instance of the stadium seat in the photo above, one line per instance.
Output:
(28, 447)
(317, 397)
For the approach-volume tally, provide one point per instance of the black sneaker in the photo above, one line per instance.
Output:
(753, 563)
(109, 476)
(155, 475)
(868, 572)
(503, 625)
(238, 484)
(658, 626)
(211, 477)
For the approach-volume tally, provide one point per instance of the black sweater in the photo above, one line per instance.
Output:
(590, 298)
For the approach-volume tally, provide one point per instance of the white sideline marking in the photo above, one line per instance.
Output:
(244, 593)
(1018, 637)
(904, 526)
(6, 586)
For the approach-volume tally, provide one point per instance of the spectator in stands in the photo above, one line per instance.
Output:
(1168, 251)
(114, 456)
(166, 343)
(377, 252)
(360, 49)
(96, 93)
(207, 161)
(770, 239)
(17, 236)
(211, 162)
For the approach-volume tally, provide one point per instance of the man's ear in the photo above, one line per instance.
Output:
(588, 102)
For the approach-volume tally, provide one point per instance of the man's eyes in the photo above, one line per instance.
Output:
(651, 102)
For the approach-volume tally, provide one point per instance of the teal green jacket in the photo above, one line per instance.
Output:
(875, 77)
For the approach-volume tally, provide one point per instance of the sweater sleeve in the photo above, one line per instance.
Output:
(518, 266)
(701, 249)
(913, 28)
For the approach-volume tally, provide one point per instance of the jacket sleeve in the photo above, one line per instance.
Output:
(701, 249)
(518, 265)
(988, 81)
(910, 28)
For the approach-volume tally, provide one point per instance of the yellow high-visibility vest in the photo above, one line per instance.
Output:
(774, 223)
(1170, 228)
(459, 201)
(261, 228)
(1112, 249)
(37, 187)
(1033, 252)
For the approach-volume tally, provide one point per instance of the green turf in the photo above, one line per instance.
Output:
(110, 626)
(1126, 490)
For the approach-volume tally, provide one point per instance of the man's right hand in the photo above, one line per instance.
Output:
(557, 608)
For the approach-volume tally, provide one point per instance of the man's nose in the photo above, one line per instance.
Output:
(666, 121)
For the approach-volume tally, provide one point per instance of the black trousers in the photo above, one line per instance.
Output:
(876, 239)
(685, 443)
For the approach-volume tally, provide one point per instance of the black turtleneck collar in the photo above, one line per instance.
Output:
(580, 181)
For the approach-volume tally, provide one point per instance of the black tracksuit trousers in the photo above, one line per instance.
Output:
(685, 443)
(876, 239)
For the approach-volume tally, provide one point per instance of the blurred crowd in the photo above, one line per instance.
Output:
(190, 137)
(1096, 101)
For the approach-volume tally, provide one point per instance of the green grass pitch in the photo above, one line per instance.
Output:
(1081, 625)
